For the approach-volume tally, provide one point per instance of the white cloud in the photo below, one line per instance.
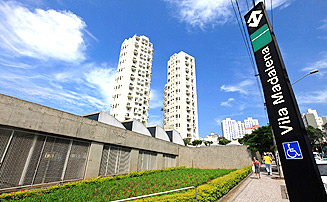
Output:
(155, 120)
(321, 65)
(245, 87)
(223, 117)
(156, 99)
(104, 80)
(313, 97)
(201, 13)
(276, 3)
(227, 103)
(324, 25)
(41, 34)
(77, 90)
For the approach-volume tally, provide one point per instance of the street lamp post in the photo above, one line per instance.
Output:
(311, 72)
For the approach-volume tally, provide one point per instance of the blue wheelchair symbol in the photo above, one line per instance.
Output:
(292, 150)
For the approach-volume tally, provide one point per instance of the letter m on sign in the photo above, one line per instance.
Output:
(278, 98)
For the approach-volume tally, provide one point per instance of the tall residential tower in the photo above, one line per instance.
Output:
(180, 99)
(132, 85)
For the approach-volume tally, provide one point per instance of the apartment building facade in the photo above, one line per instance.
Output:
(233, 129)
(180, 97)
(132, 84)
(311, 118)
(250, 125)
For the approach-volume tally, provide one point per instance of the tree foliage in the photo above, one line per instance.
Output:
(186, 142)
(260, 140)
(208, 143)
(315, 136)
(196, 142)
(223, 141)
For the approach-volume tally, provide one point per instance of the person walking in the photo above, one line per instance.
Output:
(256, 165)
(267, 159)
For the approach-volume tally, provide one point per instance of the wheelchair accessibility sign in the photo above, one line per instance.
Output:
(292, 150)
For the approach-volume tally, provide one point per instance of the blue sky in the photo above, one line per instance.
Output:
(64, 54)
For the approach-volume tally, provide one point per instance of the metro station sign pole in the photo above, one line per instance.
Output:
(301, 174)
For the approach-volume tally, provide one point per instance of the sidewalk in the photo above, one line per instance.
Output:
(267, 189)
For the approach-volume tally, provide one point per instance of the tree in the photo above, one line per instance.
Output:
(208, 143)
(260, 140)
(196, 142)
(186, 141)
(223, 141)
(315, 136)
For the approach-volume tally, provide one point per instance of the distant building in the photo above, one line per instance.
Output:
(241, 129)
(311, 118)
(250, 125)
(232, 129)
(229, 128)
(212, 137)
(180, 98)
(132, 84)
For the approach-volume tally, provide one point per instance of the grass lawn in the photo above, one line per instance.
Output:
(126, 187)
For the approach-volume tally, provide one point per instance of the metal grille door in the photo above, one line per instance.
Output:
(146, 161)
(29, 158)
(14, 159)
(115, 160)
(170, 161)
(52, 161)
(77, 160)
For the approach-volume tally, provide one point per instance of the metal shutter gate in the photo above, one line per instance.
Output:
(147, 161)
(170, 161)
(114, 160)
(29, 158)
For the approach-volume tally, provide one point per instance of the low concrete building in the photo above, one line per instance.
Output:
(137, 126)
(104, 117)
(158, 132)
(175, 137)
(40, 145)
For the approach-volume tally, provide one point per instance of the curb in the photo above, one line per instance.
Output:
(234, 189)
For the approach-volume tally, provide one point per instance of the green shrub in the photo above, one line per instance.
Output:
(211, 191)
(29, 193)
(140, 183)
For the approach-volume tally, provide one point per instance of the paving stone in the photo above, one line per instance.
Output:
(267, 189)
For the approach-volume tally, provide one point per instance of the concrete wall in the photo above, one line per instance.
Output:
(104, 117)
(138, 127)
(158, 132)
(175, 137)
(94, 159)
(26, 115)
(215, 157)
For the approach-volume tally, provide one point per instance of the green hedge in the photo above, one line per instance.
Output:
(22, 194)
(212, 191)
